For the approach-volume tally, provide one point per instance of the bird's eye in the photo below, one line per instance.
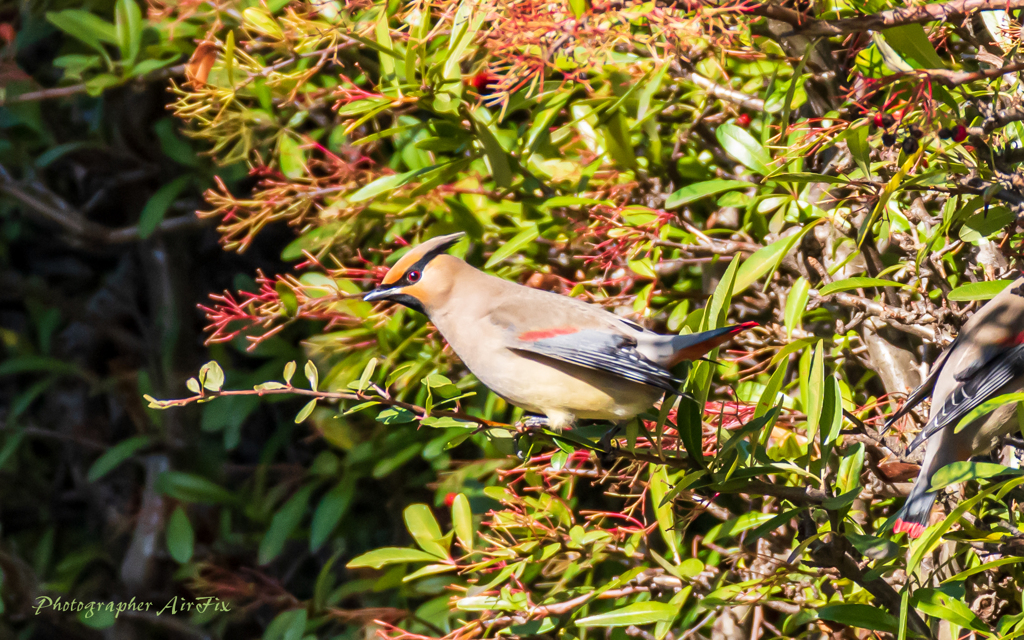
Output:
(413, 276)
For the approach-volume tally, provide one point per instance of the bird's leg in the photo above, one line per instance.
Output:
(606, 440)
(531, 424)
(527, 427)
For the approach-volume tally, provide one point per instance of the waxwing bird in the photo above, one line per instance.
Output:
(984, 361)
(544, 352)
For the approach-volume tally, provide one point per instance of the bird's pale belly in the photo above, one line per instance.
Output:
(561, 391)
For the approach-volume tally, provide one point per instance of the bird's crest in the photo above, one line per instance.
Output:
(420, 255)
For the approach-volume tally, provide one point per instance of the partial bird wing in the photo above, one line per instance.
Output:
(582, 334)
(924, 389)
(983, 384)
(604, 351)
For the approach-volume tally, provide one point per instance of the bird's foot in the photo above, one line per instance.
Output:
(527, 427)
(533, 423)
(607, 441)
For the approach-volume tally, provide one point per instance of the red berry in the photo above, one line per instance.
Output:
(449, 499)
(743, 120)
(481, 80)
(878, 120)
(959, 133)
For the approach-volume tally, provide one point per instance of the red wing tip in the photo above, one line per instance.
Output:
(912, 529)
(532, 336)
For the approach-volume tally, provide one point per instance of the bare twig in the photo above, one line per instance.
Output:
(72, 89)
(884, 19)
(905, 321)
(51, 208)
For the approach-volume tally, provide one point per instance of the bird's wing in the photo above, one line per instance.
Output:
(924, 389)
(604, 351)
(575, 332)
(982, 385)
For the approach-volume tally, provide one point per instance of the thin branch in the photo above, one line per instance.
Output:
(937, 12)
(905, 321)
(716, 90)
(288, 389)
(55, 210)
(72, 89)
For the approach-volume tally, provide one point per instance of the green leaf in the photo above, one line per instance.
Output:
(873, 547)
(115, 455)
(211, 376)
(985, 223)
(933, 535)
(766, 260)
(128, 26)
(770, 396)
(957, 472)
(188, 487)
(985, 407)
(388, 63)
(288, 625)
(180, 537)
(38, 364)
(496, 156)
(430, 570)
(462, 520)
(910, 41)
(85, 26)
(796, 304)
(390, 555)
(659, 486)
(967, 573)
(804, 178)
(978, 290)
(289, 371)
(737, 525)
(850, 469)
(260, 21)
(382, 185)
(306, 411)
(744, 147)
(694, 192)
(815, 390)
(861, 616)
(292, 157)
(312, 375)
(640, 613)
(425, 530)
(96, 85)
(617, 139)
(520, 240)
(156, 207)
(579, 7)
(941, 605)
(283, 524)
(856, 283)
(330, 511)
(857, 142)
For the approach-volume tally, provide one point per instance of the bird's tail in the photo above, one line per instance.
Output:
(694, 345)
(913, 517)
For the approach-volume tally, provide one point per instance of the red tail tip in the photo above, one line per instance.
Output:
(743, 326)
(912, 529)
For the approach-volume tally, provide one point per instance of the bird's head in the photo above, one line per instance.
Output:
(418, 279)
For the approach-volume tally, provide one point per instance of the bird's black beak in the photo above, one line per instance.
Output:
(383, 292)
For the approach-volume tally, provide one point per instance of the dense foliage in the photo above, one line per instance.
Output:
(845, 173)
